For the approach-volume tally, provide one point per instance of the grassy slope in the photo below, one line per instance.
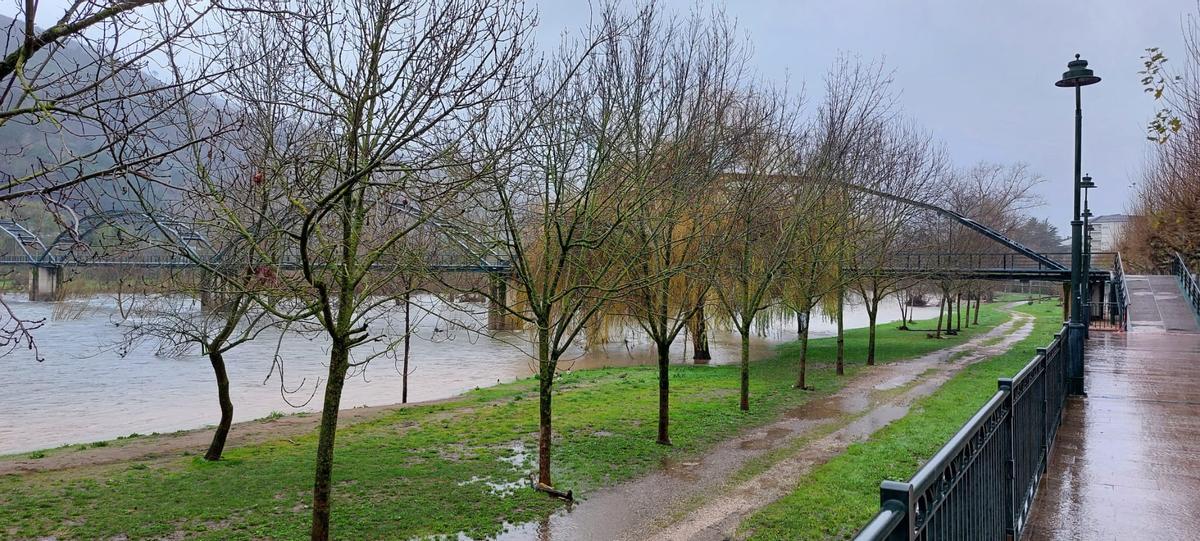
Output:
(840, 496)
(409, 472)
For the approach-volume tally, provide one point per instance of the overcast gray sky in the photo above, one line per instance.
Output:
(979, 74)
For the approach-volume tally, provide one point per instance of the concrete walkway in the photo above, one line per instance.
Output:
(1157, 304)
(1126, 463)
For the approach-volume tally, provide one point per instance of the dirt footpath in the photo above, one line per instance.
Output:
(698, 500)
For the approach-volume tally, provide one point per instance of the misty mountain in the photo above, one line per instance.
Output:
(126, 118)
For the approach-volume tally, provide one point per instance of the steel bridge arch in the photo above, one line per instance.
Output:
(182, 234)
(472, 247)
(972, 224)
(25, 240)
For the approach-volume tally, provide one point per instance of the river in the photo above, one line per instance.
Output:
(86, 390)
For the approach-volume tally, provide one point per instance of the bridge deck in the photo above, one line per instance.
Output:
(1126, 463)
(1157, 304)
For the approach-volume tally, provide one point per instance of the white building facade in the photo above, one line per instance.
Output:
(1108, 229)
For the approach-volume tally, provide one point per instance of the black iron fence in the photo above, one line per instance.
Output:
(1188, 281)
(1115, 311)
(981, 484)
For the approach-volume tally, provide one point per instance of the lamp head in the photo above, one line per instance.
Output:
(1077, 74)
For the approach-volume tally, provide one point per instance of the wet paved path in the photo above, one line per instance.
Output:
(694, 500)
(1126, 462)
(1157, 304)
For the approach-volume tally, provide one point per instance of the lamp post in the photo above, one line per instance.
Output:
(1077, 76)
(1087, 184)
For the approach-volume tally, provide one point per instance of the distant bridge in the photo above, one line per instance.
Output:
(995, 266)
(190, 248)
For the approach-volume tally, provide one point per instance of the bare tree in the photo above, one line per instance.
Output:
(856, 106)
(993, 194)
(679, 81)
(384, 91)
(557, 205)
(858, 103)
(1166, 208)
(908, 165)
(768, 204)
(175, 322)
(78, 105)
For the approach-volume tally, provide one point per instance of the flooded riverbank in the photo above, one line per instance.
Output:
(85, 390)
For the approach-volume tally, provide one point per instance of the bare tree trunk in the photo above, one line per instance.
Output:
(941, 310)
(841, 332)
(800, 379)
(699, 331)
(218, 441)
(967, 323)
(977, 299)
(872, 313)
(407, 340)
(958, 314)
(745, 402)
(664, 394)
(339, 359)
(949, 314)
(545, 386)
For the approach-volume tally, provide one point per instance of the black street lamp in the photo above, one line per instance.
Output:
(1087, 184)
(1077, 76)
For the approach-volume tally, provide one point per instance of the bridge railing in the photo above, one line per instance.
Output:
(143, 260)
(981, 484)
(992, 261)
(1119, 314)
(1187, 281)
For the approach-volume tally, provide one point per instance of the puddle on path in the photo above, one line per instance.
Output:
(875, 398)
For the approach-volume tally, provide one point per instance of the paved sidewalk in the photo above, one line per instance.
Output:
(1157, 304)
(1126, 463)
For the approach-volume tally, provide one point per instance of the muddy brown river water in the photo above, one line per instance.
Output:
(84, 390)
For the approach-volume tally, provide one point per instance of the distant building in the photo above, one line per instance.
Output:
(1108, 231)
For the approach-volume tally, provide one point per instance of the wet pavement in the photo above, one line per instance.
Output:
(697, 500)
(1126, 462)
(1157, 304)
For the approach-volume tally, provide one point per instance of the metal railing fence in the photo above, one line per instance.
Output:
(982, 483)
(1118, 307)
(1187, 280)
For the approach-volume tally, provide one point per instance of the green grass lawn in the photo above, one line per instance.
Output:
(840, 496)
(437, 469)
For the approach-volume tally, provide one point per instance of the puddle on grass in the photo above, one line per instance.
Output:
(519, 457)
(519, 460)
